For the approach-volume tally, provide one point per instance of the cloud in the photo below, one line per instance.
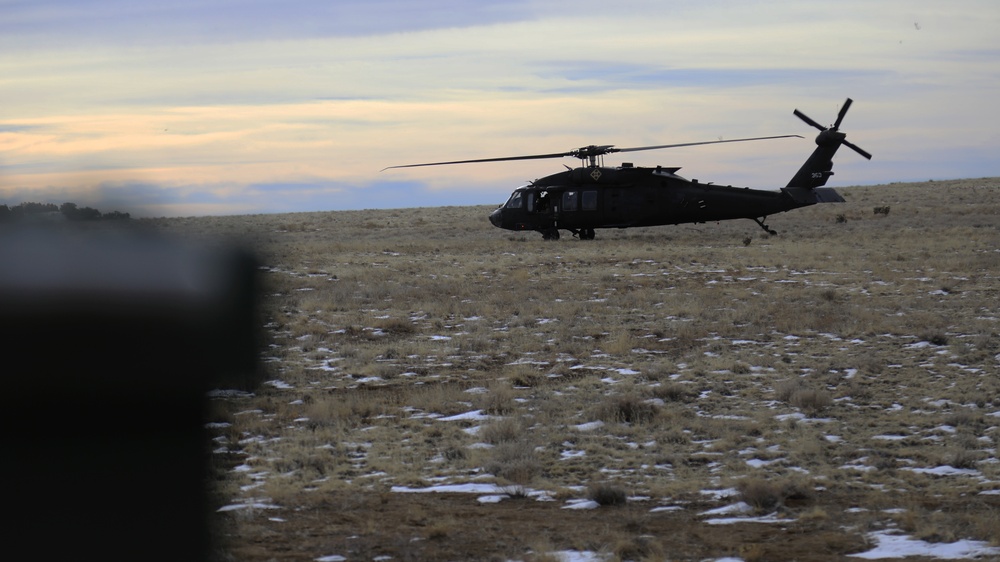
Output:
(221, 21)
(596, 75)
(260, 110)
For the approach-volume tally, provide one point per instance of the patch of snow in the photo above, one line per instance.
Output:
(731, 509)
(772, 518)
(474, 415)
(581, 504)
(589, 426)
(890, 437)
(578, 556)
(248, 505)
(468, 488)
(758, 463)
(901, 546)
(721, 494)
(492, 498)
(861, 467)
(944, 471)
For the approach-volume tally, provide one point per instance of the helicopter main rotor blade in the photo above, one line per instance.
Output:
(808, 120)
(503, 159)
(843, 112)
(584, 152)
(638, 148)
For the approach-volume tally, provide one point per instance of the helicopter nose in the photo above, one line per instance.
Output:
(495, 217)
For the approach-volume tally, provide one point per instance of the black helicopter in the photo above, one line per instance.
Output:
(593, 196)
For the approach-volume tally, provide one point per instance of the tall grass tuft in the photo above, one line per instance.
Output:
(607, 494)
(627, 408)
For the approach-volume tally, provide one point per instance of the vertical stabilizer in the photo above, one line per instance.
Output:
(819, 166)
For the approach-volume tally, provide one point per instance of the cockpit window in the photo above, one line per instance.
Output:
(515, 201)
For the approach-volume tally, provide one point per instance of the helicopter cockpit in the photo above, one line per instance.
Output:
(525, 202)
(533, 200)
(516, 200)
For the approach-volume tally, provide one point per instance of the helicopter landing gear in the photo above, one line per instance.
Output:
(550, 234)
(587, 234)
(766, 228)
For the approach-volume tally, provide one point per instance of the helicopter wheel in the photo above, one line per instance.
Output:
(587, 234)
(550, 234)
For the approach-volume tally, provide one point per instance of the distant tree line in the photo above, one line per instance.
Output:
(70, 211)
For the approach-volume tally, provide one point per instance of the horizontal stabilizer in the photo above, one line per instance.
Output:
(827, 195)
(806, 196)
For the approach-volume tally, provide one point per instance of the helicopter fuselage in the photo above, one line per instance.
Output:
(594, 196)
(586, 198)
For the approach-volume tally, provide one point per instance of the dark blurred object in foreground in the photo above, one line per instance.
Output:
(111, 341)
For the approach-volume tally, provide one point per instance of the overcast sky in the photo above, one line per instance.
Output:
(194, 107)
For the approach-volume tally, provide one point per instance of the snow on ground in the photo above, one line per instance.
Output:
(901, 546)
(930, 360)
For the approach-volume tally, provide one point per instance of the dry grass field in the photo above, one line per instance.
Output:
(439, 389)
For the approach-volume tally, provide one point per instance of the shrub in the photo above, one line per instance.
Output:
(937, 338)
(811, 401)
(963, 459)
(515, 462)
(762, 495)
(499, 401)
(671, 392)
(628, 408)
(607, 494)
(504, 430)
(965, 417)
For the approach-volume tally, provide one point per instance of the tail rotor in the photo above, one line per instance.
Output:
(832, 133)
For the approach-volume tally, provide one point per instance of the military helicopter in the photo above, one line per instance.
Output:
(593, 196)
